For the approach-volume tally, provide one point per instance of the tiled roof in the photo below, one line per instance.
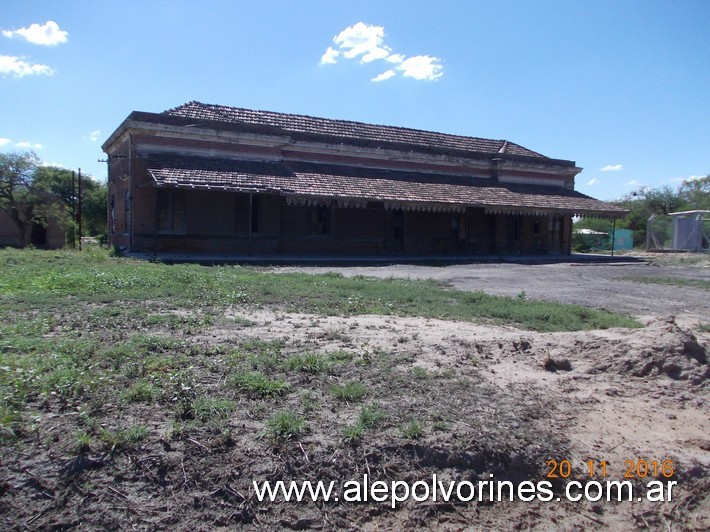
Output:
(349, 131)
(320, 181)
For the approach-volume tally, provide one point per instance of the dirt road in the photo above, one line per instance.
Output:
(613, 286)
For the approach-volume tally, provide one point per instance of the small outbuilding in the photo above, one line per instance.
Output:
(206, 179)
(48, 235)
(689, 230)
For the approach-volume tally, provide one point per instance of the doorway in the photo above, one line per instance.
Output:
(38, 238)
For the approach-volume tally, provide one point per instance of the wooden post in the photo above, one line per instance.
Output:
(613, 237)
(73, 209)
(79, 210)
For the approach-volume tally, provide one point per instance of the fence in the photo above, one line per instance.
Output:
(678, 231)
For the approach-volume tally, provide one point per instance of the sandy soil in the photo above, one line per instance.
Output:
(625, 395)
(622, 395)
(508, 400)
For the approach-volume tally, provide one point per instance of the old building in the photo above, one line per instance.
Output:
(50, 235)
(208, 179)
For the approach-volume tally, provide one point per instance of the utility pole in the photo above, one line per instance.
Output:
(79, 210)
(73, 209)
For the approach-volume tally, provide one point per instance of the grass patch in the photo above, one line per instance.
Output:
(353, 433)
(63, 278)
(261, 354)
(284, 426)
(341, 356)
(103, 336)
(257, 383)
(672, 258)
(82, 441)
(10, 422)
(419, 372)
(350, 391)
(141, 392)
(124, 438)
(413, 430)
(541, 315)
(672, 281)
(370, 415)
(308, 363)
(209, 408)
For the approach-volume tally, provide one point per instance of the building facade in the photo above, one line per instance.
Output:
(43, 236)
(205, 179)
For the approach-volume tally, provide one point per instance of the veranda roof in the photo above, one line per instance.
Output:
(348, 186)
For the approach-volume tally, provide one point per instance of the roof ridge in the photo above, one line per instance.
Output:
(348, 128)
(340, 120)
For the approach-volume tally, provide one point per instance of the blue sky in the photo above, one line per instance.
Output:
(620, 87)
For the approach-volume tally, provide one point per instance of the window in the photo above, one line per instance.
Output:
(170, 211)
(126, 212)
(317, 220)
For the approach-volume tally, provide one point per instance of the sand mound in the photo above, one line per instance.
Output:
(662, 348)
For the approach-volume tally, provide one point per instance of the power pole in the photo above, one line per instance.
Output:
(79, 210)
(73, 209)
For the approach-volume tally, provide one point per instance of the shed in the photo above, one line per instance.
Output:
(689, 230)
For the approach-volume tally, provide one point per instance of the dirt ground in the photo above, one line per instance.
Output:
(625, 394)
(492, 400)
(601, 284)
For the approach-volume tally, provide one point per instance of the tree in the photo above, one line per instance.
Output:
(603, 225)
(644, 202)
(94, 210)
(33, 194)
(62, 185)
(696, 193)
(24, 201)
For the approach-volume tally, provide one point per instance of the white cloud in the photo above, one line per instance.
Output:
(366, 43)
(47, 34)
(21, 68)
(385, 75)
(330, 56)
(612, 168)
(395, 58)
(25, 144)
(634, 183)
(362, 40)
(422, 67)
(94, 135)
(53, 165)
(592, 182)
(4, 141)
(685, 179)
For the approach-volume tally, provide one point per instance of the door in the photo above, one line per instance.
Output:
(394, 231)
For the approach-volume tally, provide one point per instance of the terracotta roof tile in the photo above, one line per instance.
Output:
(348, 130)
(310, 180)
